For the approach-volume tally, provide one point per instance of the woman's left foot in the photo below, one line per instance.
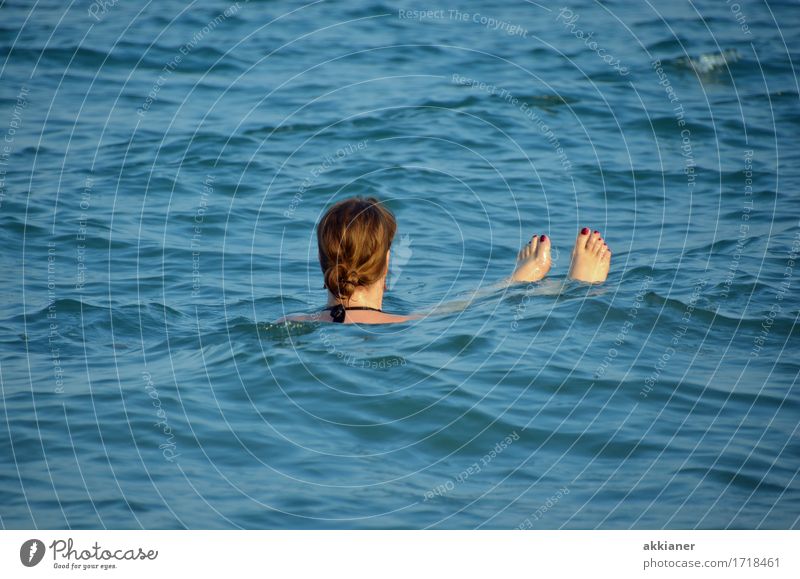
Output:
(533, 261)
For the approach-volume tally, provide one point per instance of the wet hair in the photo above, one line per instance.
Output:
(354, 237)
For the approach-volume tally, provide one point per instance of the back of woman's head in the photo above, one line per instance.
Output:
(354, 237)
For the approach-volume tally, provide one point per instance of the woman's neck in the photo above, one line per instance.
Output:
(369, 296)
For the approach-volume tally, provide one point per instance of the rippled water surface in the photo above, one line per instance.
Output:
(163, 165)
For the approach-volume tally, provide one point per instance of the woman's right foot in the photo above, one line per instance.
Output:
(591, 258)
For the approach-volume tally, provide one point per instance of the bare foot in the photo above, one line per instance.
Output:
(591, 258)
(533, 261)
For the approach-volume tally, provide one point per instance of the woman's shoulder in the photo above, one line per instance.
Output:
(386, 318)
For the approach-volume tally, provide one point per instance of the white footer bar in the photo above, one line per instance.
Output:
(400, 554)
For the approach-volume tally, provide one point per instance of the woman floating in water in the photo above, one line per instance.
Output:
(355, 238)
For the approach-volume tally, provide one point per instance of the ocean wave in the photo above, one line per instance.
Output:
(710, 62)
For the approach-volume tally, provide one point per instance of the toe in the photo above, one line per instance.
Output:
(544, 243)
(592, 241)
(525, 252)
(583, 238)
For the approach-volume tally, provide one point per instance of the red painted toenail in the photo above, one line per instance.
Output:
(596, 232)
(543, 238)
(584, 231)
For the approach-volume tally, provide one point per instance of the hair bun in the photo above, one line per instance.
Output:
(352, 277)
(341, 280)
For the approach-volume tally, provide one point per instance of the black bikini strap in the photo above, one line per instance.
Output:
(338, 313)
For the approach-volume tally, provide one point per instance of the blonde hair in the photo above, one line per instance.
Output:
(354, 237)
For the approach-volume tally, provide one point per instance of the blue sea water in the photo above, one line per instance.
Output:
(163, 166)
